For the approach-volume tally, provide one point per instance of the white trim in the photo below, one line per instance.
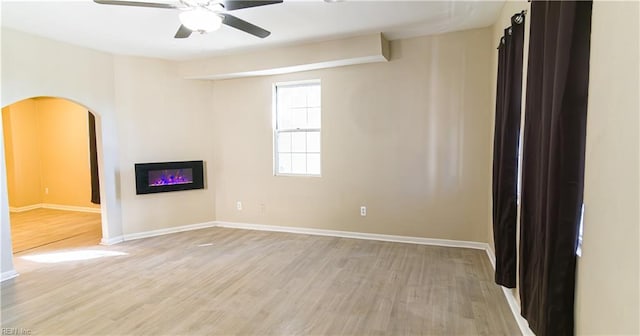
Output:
(154, 233)
(25, 208)
(70, 208)
(160, 232)
(8, 275)
(55, 207)
(511, 300)
(491, 256)
(111, 241)
(515, 310)
(355, 235)
(303, 82)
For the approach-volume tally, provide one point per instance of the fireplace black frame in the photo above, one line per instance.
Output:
(142, 176)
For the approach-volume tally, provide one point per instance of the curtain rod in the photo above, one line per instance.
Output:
(518, 19)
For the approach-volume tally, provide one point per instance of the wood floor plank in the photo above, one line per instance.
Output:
(221, 281)
(54, 229)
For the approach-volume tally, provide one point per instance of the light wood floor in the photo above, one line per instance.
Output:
(47, 229)
(222, 281)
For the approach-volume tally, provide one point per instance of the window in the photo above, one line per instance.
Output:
(297, 128)
(580, 231)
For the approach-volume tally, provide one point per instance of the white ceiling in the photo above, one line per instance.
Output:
(149, 31)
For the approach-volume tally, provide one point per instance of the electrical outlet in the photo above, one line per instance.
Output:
(239, 205)
(363, 211)
(46, 191)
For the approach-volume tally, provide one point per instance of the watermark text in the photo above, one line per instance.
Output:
(16, 331)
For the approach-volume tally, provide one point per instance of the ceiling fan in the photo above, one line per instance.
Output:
(204, 16)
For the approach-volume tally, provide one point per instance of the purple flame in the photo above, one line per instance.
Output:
(170, 177)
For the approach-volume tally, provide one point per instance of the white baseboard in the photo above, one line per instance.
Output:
(160, 232)
(154, 233)
(491, 256)
(298, 230)
(356, 235)
(54, 207)
(25, 208)
(111, 241)
(511, 300)
(8, 275)
(70, 208)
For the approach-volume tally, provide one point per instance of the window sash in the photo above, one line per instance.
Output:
(308, 171)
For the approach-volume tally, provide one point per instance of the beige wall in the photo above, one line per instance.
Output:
(162, 117)
(407, 138)
(33, 67)
(608, 282)
(22, 147)
(607, 294)
(156, 116)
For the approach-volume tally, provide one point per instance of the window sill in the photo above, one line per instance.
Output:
(296, 175)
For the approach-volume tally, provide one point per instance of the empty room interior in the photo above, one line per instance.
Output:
(336, 167)
(48, 160)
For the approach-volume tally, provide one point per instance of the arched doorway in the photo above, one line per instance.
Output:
(50, 180)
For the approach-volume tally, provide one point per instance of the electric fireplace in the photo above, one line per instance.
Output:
(169, 176)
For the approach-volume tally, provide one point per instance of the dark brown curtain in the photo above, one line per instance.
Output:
(93, 161)
(553, 162)
(505, 150)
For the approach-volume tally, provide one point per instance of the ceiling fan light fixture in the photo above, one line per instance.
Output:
(201, 20)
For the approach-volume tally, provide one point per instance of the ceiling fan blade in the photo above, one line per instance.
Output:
(135, 4)
(239, 4)
(183, 32)
(245, 26)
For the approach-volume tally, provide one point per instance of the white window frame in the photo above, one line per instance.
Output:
(276, 130)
